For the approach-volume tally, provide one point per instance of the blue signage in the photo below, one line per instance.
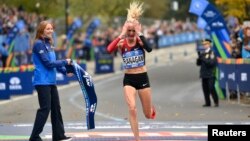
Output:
(15, 83)
(243, 76)
(104, 63)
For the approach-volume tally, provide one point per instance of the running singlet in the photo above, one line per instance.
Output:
(133, 57)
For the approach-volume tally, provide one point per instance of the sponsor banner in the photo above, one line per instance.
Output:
(243, 76)
(4, 91)
(230, 73)
(16, 83)
(222, 75)
(234, 75)
(104, 63)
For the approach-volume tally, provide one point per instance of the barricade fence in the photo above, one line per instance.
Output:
(181, 38)
(234, 74)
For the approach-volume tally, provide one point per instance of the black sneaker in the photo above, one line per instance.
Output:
(205, 105)
(66, 139)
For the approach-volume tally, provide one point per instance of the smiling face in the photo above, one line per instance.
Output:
(48, 31)
(45, 29)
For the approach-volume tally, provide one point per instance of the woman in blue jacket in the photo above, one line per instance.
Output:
(45, 83)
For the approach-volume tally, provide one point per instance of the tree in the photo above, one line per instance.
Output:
(237, 8)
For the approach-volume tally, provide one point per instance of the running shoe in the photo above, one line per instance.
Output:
(153, 113)
(66, 139)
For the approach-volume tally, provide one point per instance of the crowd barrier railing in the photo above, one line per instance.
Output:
(234, 75)
(180, 38)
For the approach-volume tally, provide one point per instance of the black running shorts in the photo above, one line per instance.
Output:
(138, 81)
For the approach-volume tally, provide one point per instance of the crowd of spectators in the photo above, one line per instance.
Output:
(101, 37)
(240, 46)
(9, 16)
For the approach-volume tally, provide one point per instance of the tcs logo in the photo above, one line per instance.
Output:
(15, 83)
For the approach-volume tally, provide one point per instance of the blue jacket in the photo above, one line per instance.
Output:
(45, 62)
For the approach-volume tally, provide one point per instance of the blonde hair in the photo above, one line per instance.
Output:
(135, 10)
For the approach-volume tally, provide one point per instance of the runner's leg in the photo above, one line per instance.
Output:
(130, 97)
(146, 101)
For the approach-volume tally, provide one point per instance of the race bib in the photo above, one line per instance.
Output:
(133, 59)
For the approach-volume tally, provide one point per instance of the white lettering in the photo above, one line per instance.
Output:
(15, 87)
(2, 86)
(231, 76)
(216, 132)
(243, 76)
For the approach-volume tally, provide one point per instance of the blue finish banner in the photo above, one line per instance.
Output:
(73, 78)
(87, 86)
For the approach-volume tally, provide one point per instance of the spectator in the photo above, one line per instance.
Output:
(3, 54)
(45, 83)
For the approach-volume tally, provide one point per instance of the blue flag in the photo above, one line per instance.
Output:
(73, 27)
(88, 90)
(201, 23)
(19, 26)
(198, 6)
(92, 27)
